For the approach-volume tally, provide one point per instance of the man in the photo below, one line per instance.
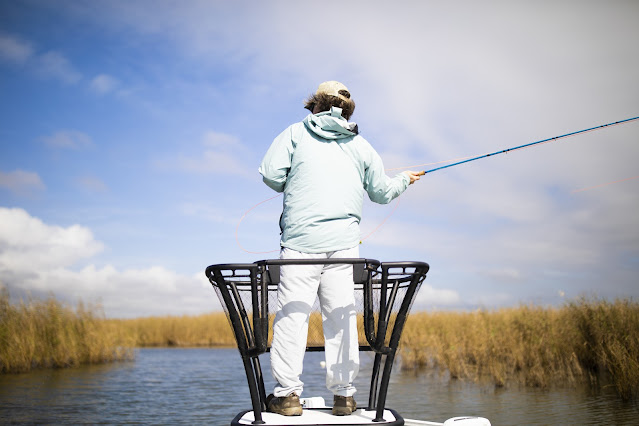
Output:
(322, 164)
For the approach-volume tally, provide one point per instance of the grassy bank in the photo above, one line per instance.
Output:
(186, 331)
(48, 334)
(582, 341)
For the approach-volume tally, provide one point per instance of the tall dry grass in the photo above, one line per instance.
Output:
(203, 330)
(579, 342)
(583, 341)
(48, 334)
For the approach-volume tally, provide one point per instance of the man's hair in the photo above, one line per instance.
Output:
(325, 101)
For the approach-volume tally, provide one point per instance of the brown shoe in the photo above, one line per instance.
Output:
(284, 405)
(343, 405)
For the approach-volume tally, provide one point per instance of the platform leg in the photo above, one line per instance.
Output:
(372, 394)
(260, 381)
(383, 387)
(255, 399)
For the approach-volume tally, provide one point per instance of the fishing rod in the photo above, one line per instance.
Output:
(422, 173)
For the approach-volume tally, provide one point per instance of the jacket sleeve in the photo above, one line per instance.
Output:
(277, 161)
(380, 188)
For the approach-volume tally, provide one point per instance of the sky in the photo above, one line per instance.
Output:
(131, 133)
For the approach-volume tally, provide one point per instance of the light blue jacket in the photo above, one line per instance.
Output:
(321, 164)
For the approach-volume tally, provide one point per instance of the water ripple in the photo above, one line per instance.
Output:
(208, 386)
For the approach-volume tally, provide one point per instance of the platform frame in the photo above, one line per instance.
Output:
(384, 315)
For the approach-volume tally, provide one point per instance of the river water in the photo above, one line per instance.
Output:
(208, 386)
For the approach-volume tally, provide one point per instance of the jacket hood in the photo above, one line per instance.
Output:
(330, 124)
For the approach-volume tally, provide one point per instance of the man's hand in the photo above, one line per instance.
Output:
(414, 176)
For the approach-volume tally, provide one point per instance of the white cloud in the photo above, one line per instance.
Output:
(92, 184)
(21, 182)
(223, 154)
(213, 162)
(506, 275)
(431, 297)
(28, 243)
(35, 256)
(51, 64)
(72, 139)
(103, 84)
(55, 65)
(15, 50)
(208, 212)
(221, 140)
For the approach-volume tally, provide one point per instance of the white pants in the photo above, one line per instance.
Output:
(299, 286)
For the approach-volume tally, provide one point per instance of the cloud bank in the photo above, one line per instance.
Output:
(50, 259)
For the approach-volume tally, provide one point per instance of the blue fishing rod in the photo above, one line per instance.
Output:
(468, 160)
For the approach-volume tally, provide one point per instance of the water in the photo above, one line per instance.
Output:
(208, 386)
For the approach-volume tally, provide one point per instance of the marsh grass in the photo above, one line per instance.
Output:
(48, 334)
(582, 341)
(178, 331)
(585, 341)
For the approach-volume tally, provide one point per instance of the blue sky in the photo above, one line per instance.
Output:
(131, 133)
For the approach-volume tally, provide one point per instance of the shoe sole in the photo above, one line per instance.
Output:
(292, 411)
(342, 411)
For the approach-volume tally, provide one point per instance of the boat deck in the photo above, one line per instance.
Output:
(321, 416)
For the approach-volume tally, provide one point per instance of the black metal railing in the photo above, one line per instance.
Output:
(384, 294)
